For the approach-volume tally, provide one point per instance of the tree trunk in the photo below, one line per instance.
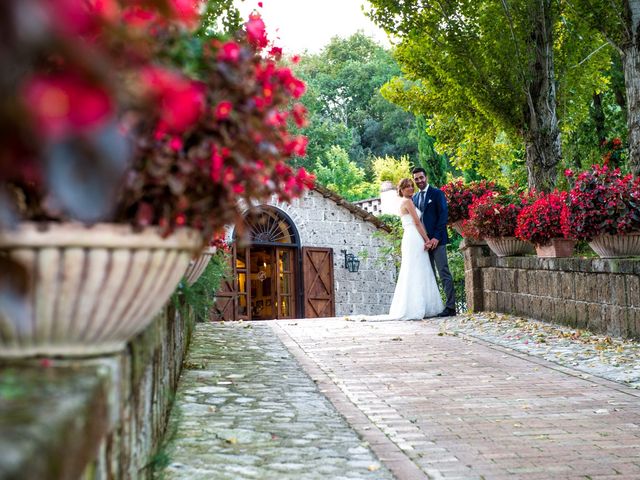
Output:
(542, 134)
(631, 66)
(598, 118)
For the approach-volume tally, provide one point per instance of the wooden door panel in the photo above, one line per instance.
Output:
(317, 267)
(225, 305)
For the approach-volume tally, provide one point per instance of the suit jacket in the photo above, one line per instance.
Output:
(435, 214)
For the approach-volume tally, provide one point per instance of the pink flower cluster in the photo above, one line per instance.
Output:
(544, 219)
(603, 201)
(460, 196)
(202, 148)
(495, 214)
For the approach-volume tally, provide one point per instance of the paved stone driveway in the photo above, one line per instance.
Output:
(245, 410)
(463, 408)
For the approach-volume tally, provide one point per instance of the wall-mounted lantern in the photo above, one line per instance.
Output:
(351, 262)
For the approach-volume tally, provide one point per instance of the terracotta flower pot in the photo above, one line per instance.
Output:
(508, 246)
(197, 266)
(611, 246)
(92, 288)
(556, 248)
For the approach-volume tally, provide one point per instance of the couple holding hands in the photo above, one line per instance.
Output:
(424, 218)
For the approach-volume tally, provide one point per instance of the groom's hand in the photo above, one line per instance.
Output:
(434, 243)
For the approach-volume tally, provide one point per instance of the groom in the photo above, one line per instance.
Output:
(431, 202)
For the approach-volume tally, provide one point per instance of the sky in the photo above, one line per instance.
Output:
(310, 24)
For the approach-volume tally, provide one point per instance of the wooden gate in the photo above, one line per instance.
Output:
(317, 267)
(225, 305)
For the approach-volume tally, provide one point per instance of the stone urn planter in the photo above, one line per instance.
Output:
(611, 246)
(197, 266)
(92, 288)
(508, 246)
(556, 248)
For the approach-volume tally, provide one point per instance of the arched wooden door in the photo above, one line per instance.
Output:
(273, 277)
(266, 271)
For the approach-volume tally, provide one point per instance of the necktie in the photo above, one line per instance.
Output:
(421, 198)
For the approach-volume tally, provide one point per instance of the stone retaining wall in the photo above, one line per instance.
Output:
(602, 295)
(92, 418)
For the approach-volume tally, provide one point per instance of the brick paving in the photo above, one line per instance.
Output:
(444, 406)
(245, 410)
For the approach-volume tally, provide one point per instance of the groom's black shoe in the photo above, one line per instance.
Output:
(448, 312)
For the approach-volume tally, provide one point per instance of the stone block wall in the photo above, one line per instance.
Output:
(602, 295)
(323, 223)
(93, 418)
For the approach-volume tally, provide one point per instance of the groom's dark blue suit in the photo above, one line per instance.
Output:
(435, 215)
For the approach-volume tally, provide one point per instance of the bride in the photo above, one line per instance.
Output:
(416, 295)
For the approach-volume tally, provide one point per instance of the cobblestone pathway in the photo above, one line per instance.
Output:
(246, 410)
(462, 407)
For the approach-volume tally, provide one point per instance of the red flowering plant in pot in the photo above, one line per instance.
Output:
(604, 209)
(545, 224)
(99, 124)
(493, 217)
(460, 195)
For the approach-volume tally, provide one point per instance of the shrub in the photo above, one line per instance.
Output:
(603, 201)
(544, 219)
(460, 196)
(495, 214)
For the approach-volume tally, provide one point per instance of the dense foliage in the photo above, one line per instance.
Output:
(603, 201)
(460, 195)
(475, 70)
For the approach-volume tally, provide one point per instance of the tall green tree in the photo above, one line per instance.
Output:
(343, 95)
(435, 164)
(485, 71)
(337, 172)
(619, 23)
(390, 169)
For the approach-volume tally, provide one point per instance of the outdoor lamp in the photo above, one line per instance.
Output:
(351, 262)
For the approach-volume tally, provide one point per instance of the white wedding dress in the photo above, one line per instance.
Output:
(416, 295)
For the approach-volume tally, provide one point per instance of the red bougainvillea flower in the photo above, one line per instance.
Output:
(176, 143)
(223, 110)
(186, 12)
(256, 31)
(299, 113)
(217, 161)
(276, 52)
(181, 100)
(276, 118)
(229, 52)
(66, 103)
(138, 17)
(297, 146)
(295, 59)
(294, 86)
(71, 17)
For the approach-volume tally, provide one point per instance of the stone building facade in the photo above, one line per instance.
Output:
(312, 236)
